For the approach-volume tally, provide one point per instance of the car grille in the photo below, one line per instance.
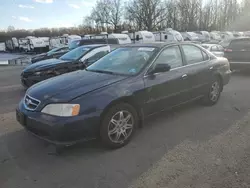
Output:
(26, 74)
(31, 103)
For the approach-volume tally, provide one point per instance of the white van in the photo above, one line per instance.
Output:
(37, 44)
(12, 44)
(2, 47)
(122, 38)
(46, 41)
(71, 38)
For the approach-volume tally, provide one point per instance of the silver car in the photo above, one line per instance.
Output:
(216, 49)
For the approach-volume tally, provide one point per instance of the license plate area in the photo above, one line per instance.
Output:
(21, 118)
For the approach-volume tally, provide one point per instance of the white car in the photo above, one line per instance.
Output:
(216, 49)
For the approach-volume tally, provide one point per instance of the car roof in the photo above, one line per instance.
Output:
(240, 38)
(151, 44)
(205, 44)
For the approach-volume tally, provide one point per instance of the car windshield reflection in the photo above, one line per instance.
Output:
(125, 61)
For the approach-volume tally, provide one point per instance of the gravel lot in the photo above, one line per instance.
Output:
(191, 146)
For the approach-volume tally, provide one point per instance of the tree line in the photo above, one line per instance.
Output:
(153, 15)
(181, 15)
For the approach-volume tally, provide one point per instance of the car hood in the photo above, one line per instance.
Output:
(44, 64)
(68, 86)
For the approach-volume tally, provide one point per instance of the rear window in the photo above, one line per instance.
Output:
(225, 43)
(239, 44)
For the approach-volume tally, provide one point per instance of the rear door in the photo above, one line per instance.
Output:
(238, 50)
(164, 90)
(199, 70)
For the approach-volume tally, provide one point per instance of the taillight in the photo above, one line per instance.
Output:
(228, 50)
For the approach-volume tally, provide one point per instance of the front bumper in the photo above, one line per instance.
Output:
(59, 130)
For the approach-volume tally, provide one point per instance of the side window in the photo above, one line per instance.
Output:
(97, 56)
(193, 54)
(170, 56)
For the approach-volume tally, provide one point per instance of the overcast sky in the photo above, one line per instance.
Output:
(31, 14)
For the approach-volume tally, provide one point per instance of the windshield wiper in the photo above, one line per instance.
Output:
(100, 71)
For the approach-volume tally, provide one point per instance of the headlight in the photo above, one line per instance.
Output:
(65, 110)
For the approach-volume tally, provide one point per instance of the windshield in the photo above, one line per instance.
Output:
(126, 61)
(74, 44)
(75, 54)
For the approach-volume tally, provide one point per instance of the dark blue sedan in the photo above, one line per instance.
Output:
(111, 97)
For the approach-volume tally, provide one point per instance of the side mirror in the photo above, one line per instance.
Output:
(88, 62)
(161, 68)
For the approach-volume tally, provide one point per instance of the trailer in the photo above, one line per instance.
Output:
(169, 35)
(12, 44)
(141, 36)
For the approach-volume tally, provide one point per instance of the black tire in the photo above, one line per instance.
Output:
(106, 124)
(210, 100)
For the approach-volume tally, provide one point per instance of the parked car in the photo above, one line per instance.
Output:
(111, 97)
(238, 53)
(203, 35)
(216, 49)
(76, 59)
(215, 36)
(54, 53)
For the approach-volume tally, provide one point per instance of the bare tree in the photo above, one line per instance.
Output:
(147, 14)
(10, 28)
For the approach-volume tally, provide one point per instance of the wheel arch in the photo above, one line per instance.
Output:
(128, 100)
(219, 76)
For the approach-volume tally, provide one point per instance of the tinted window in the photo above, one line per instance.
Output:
(170, 56)
(240, 44)
(193, 54)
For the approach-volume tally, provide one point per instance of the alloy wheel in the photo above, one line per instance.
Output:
(215, 91)
(120, 126)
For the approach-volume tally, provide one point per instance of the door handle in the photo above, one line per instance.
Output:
(210, 68)
(184, 76)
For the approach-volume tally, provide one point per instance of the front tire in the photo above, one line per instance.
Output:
(118, 125)
(214, 92)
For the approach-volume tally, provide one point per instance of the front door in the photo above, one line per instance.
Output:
(164, 90)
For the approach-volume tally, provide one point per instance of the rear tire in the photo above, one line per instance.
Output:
(214, 92)
(118, 125)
